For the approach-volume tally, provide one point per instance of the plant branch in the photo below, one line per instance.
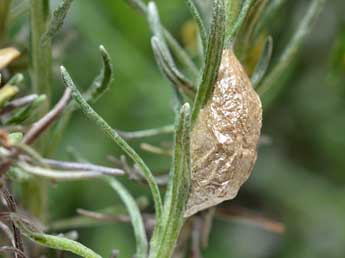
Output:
(55, 242)
(38, 128)
(17, 103)
(41, 54)
(135, 215)
(267, 88)
(112, 134)
(166, 234)
(213, 58)
(12, 207)
(169, 129)
(65, 175)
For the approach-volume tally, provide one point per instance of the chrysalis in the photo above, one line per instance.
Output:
(224, 138)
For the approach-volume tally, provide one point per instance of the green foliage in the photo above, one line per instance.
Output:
(267, 89)
(56, 23)
(197, 17)
(102, 82)
(114, 136)
(167, 233)
(55, 242)
(212, 58)
(134, 212)
(244, 26)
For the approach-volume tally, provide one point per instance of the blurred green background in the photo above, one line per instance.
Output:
(299, 177)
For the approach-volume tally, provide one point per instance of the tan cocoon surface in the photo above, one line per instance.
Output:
(224, 138)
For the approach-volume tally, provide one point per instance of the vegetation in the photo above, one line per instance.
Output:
(48, 150)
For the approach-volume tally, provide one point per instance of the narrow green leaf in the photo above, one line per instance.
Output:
(57, 21)
(266, 89)
(80, 221)
(97, 89)
(113, 135)
(65, 175)
(154, 21)
(102, 82)
(164, 239)
(264, 61)
(134, 213)
(213, 58)
(17, 79)
(181, 55)
(26, 112)
(166, 70)
(239, 21)
(164, 59)
(54, 242)
(247, 33)
(173, 44)
(169, 69)
(169, 129)
(232, 9)
(271, 9)
(138, 4)
(197, 17)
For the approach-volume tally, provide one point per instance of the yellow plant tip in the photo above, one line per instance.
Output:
(189, 34)
(7, 93)
(224, 138)
(7, 55)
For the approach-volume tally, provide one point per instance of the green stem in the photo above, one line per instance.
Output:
(35, 191)
(4, 10)
(92, 115)
(54, 242)
(41, 54)
(167, 232)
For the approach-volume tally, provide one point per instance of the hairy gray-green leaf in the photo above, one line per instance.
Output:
(54, 242)
(197, 17)
(232, 9)
(102, 82)
(165, 237)
(266, 89)
(213, 57)
(238, 22)
(168, 129)
(134, 213)
(169, 69)
(138, 4)
(114, 136)
(173, 44)
(57, 21)
(264, 61)
(24, 113)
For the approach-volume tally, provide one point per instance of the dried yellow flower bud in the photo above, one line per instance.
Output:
(224, 138)
(7, 55)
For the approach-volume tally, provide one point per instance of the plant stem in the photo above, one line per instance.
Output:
(92, 115)
(269, 88)
(41, 53)
(35, 191)
(167, 232)
(4, 10)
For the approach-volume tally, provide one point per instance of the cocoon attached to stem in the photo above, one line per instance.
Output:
(224, 137)
(227, 119)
